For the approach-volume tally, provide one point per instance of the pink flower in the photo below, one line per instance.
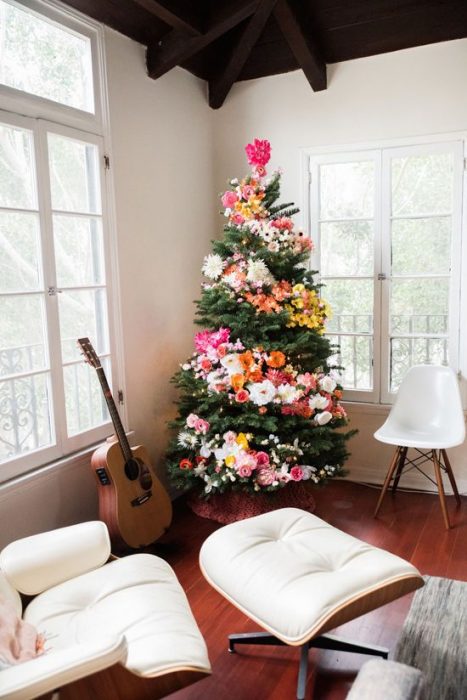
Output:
(260, 170)
(221, 351)
(206, 364)
(258, 152)
(201, 426)
(308, 380)
(265, 477)
(228, 199)
(262, 458)
(296, 473)
(247, 191)
(205, 340)
(283, 222)
(238, 219)
(242, 396)
(230, 437)
(245, 470)
(191, 420)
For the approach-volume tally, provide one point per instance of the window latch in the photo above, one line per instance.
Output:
(381, 276)
(53, 291)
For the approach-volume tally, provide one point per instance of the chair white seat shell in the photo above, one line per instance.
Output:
(426, 416)
(133, 607)
(297, 576)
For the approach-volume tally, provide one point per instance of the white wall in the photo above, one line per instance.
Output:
(407, 93)
(166, 203)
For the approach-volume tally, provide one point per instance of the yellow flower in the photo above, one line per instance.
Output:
(298, 303)
(298, 288)
(242, 441)
(230, 460)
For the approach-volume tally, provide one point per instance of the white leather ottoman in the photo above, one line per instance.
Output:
(297, 577)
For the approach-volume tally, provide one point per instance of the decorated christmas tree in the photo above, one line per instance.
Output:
(259, 403)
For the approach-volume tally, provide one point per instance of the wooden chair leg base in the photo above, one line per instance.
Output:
(394, 462)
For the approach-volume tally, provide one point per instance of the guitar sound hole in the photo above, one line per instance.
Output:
(132, 469)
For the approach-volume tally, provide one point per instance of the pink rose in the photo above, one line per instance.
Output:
(221, 351)
(201, 426)
(206, 364)
(296, 473)
(265, 477)
(244, 470)
(228, 199)
(242, 396)
(258, 152)
(191, 420)
(238, 219)
(262, 458)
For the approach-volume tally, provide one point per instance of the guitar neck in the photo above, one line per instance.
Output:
(117, 423)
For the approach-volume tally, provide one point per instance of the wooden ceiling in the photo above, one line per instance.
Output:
(223, 41)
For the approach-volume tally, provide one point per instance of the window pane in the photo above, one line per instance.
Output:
(347, 248)
(23, 345)
(85, 404)
(419, 304)
(83, 314)
(17, 174)
(74, 175)
(20, 252)
(422, 184)
(78, 251)
(45, 59)
(355, 355)
(406, 352)
(347, 190)
(351, 302)
(25, 423)
(421, 246)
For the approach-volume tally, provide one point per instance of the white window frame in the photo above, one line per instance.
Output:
(41, 115)
(384, 150)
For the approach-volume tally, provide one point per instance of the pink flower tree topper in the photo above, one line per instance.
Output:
(258, 153)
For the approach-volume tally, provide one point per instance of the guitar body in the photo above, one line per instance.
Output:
(132, 501)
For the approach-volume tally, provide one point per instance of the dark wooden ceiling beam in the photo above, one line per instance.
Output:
(178, 15)
(296, 30)
(176, 47)
(220, 85)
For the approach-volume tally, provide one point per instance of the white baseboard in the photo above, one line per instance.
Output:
(413, 480)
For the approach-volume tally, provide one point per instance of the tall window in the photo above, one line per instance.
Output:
(387, 224)
(54, 266)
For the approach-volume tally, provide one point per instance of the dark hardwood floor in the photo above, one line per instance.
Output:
(409, 524)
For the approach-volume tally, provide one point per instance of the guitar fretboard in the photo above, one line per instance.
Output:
(117, 423)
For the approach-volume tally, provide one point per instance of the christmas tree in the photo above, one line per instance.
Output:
(259, 402)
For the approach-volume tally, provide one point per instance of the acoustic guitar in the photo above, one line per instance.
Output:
(132, 501)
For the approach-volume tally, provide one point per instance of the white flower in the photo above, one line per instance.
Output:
(233, 280)
(259, 272)
(262, 393)
(318, 401)
(205, 450)
(232, 364)
(323, 418)
(213, 266)
(307, 472)
(327, 384)
(287, 393)
(186, 439)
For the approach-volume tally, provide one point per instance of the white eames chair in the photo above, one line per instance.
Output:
(428, 417)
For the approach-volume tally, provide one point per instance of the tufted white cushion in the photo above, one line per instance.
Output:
(137, 597)
(35, 563)
(290, 571)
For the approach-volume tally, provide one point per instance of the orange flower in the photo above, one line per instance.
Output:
(338, 393)
(186, 464)
(262, 410)
(246, 359)
(237, 381)
(276, 359)
(255, 375)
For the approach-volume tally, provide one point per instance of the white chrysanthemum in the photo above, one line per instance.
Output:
(327, 384)
(318, 402)
(287, 393)
(186, 439)
(213, 266)
(262, 393)
(258, 272)
(232, 363)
